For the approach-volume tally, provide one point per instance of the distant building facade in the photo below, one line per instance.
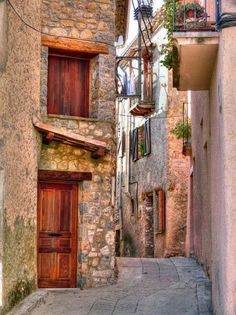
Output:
(152, 172)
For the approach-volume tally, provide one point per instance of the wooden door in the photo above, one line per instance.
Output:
(57, 235)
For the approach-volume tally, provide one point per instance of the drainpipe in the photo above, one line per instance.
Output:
(225, 14)
(3, 34)
(139, 53)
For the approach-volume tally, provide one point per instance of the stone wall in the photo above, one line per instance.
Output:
(90, 21)
(19, 153)
(177, 176)
(96, 227)
(84, 19)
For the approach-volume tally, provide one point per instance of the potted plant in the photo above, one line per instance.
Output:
(191, 10)
(182, 130)
(187, 148)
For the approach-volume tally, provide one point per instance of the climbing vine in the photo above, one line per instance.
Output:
(167, 49)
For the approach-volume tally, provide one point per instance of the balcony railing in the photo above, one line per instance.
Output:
(195, 15)
(130, 82)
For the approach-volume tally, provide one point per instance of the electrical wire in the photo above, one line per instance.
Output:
(153, 117)
(45, 33)
(144, 22)
(149, 21)
(226, 20)
(140, 29)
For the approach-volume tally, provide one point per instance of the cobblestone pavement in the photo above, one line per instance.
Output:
(146, 286)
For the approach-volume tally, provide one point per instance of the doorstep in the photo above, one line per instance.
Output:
(29, 303)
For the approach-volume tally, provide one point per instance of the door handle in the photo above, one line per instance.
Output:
(54, 234)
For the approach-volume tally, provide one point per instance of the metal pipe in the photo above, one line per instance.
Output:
(174, 12)
(184, 15)
(139, 54)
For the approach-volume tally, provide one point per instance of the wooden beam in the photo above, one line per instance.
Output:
(70, 137)
(75, 45)
(45, 175)
(48, 137)
(99, 153)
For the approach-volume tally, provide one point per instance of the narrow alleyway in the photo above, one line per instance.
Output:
(174, 286)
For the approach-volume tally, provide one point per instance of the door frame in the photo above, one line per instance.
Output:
(59, 177)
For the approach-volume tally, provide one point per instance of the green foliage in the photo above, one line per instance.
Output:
(182, 130)
(142, 147)
(20, 290)
(167, 49)
(192, 7)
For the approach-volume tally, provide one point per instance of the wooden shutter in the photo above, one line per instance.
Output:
(121, 144)
(68, 86)
(147, 137)
(161, 212)
(134, 144)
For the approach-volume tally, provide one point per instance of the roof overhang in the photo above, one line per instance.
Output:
(51, 133)
(195, 54)
(142, 109)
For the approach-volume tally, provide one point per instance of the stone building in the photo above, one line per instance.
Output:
(57, 144)
(152, 172)
(207, 66)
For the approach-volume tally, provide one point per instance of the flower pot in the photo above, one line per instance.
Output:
(190, 14)
(187, 149)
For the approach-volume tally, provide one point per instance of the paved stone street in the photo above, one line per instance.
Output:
(146, 286)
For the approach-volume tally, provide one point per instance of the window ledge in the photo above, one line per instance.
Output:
(71, 117)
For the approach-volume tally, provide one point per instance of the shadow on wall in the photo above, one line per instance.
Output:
(129, 247)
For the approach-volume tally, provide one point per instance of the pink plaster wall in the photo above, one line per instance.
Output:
(214, 176)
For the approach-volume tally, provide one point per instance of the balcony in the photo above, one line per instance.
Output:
(135, 84)
(195, 44)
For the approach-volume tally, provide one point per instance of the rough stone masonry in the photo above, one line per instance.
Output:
(91, 21)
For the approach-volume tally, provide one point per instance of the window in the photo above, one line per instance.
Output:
(134, 144)
(68, 84)
(147, 137)
(121, 144)
(141, 141)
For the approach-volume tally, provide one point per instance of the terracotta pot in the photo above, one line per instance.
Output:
(187, 149)
(190, 13)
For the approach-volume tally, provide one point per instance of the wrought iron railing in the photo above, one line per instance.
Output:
(194, 15)
(133, 83)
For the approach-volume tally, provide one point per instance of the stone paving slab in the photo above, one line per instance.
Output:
(174, 286)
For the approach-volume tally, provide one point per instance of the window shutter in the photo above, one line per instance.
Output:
(121, 144)
(161, 212)
(134, 144)
(68, 85)
(147, 137)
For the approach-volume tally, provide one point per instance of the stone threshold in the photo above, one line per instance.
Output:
(30, 303)
(35, 299)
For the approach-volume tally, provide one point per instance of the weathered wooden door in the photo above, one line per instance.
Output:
(57, 235)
